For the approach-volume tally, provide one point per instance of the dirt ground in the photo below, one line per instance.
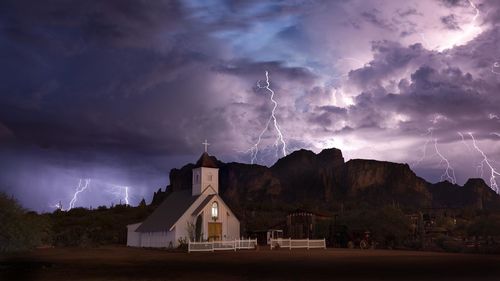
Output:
(121, 263)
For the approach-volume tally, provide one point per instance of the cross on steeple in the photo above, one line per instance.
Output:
(206, 145)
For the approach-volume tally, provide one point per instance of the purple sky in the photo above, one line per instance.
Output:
(122, 91)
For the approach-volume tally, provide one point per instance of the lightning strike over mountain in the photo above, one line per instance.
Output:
(463, 141)
(449, 172)
(79, 190)
(255, 148)
(494, 173)
(122, 191)
(126, 195)
(424, 149)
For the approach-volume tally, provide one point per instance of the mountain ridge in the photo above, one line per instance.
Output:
(325, 182)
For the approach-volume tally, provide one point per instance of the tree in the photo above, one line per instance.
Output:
(19, 230)
(485, 226)
(388, 225)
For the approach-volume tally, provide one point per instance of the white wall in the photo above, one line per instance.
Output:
(230, 224)
(230, 227)
(233, 227)
(158, 239)
(133, 238)
(206, 177)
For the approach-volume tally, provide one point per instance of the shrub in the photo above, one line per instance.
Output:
(19, 230)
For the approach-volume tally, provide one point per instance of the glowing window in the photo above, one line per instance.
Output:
(215, 210)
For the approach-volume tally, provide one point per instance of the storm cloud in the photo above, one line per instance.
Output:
(123, 91)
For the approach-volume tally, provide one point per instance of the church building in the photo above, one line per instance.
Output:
(196, 214)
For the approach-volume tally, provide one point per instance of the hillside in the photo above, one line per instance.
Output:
(325, 182)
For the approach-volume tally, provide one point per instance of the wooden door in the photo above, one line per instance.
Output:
(214, 231)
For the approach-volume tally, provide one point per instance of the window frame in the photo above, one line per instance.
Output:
(214, 210)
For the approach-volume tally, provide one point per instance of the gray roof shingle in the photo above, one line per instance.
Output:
(206, 161)
(202, 205)
(169, 211)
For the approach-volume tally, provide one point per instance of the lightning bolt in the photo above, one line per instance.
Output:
(424, 149)
(463, 141)
(122, 191)
(79, 190)
(449, 172)
(83, 185)
(255, 148)
(494, 173)
(422, 35)
(126, 195)
(57, 206)
(477, 11)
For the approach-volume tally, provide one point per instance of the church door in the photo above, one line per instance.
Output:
(214, 231)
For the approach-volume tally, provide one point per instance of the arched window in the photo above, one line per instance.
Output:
(215, 210)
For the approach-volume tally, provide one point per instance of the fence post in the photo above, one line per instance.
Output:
(308, 243)
(324, 243)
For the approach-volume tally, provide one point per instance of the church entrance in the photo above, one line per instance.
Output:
(214, 231)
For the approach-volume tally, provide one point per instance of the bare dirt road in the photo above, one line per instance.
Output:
(121, 263)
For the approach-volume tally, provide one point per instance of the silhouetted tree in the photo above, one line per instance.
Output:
(19, 230)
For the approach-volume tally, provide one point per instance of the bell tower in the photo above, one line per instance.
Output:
(205, 175)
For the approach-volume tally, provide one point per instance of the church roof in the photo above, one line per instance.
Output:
(169, 211)
(202, 205)
(206, 161)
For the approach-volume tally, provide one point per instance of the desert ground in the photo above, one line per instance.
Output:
(121, 263)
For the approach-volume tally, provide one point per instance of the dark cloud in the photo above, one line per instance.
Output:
(389, 57)
(122, 91)
(409, 12)
(450, 22)
(374, 18)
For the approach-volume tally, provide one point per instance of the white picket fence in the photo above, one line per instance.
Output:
(298, 243)
(210, 246)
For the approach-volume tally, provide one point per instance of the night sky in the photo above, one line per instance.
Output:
(119, 92)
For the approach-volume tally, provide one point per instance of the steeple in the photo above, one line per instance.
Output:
(206, 161)
(205, 174)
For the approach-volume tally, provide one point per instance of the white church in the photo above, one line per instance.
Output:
(196, 214)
